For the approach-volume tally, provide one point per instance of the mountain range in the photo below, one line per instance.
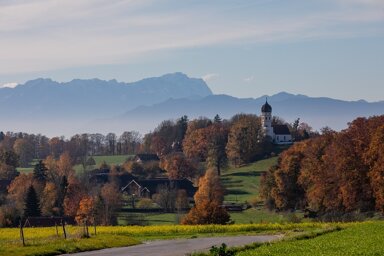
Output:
(54, 109)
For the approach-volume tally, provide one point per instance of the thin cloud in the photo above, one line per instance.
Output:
(41, 35)
(209, 77)
(249, 79)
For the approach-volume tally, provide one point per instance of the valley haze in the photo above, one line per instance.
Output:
(97, 106)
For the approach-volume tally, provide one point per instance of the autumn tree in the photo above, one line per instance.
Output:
(111, 143)
(208, 202)
(374, 157)
(178, 166)
(65, 165)
(195, 144)
(111, 197)
(48, 200)
(56, 146)
(246, 141)
(8, 163)
(331, 174)
(130, 142)
(218, 138)
(163, 137)
(25, 150)
(195, 139)
(52, 173)
(207, 143)
(285, 193)
(74, 193)
(17, 192)
(86, 210)
(165, 197)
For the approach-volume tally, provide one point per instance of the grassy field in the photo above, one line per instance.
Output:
(358, 239)
(243, 183)
(248, 216)
(44, 241)
(261, 215)
(110, 160)
(300, 239)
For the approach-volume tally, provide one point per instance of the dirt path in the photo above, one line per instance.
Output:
(178, 247)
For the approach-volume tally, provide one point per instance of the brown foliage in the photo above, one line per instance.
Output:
(208, 202)
(48, 200)
(375, 159)
(336, 172)
(246, 140)
(86, 210)
(178, 166)
(75, 192)
(65, 165)
(111, 196)
(17, 191)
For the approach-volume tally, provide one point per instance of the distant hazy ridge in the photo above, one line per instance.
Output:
(52, 108)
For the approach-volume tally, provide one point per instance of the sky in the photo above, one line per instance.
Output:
(243, 48)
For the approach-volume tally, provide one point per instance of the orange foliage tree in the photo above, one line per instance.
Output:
(208, 202)
(86, 210)
(333, 173)
(178, 166)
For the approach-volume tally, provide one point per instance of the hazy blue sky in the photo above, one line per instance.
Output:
(243, 48)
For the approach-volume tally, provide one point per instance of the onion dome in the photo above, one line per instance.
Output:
(266, 107)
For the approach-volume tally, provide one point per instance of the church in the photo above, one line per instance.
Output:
(280, 134)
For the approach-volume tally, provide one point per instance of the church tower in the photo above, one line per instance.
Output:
(266, 119)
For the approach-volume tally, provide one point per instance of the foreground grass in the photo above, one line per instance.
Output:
(43, 241)
(357, 239)
(40, 241)
(262, 215)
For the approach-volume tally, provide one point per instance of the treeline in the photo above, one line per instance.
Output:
(79, 146)
(55, 189)
(201, 139)
(186, 149)
(334, 174)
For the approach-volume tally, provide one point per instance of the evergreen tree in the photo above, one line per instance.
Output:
(40, 171)
(61, 194)
(217, 119)
(32, 205)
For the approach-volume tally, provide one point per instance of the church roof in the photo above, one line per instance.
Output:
(266, 107)
(281, 129)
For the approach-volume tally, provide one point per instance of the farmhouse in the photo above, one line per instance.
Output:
(279, 134)
(144, 158)
(146, 188)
